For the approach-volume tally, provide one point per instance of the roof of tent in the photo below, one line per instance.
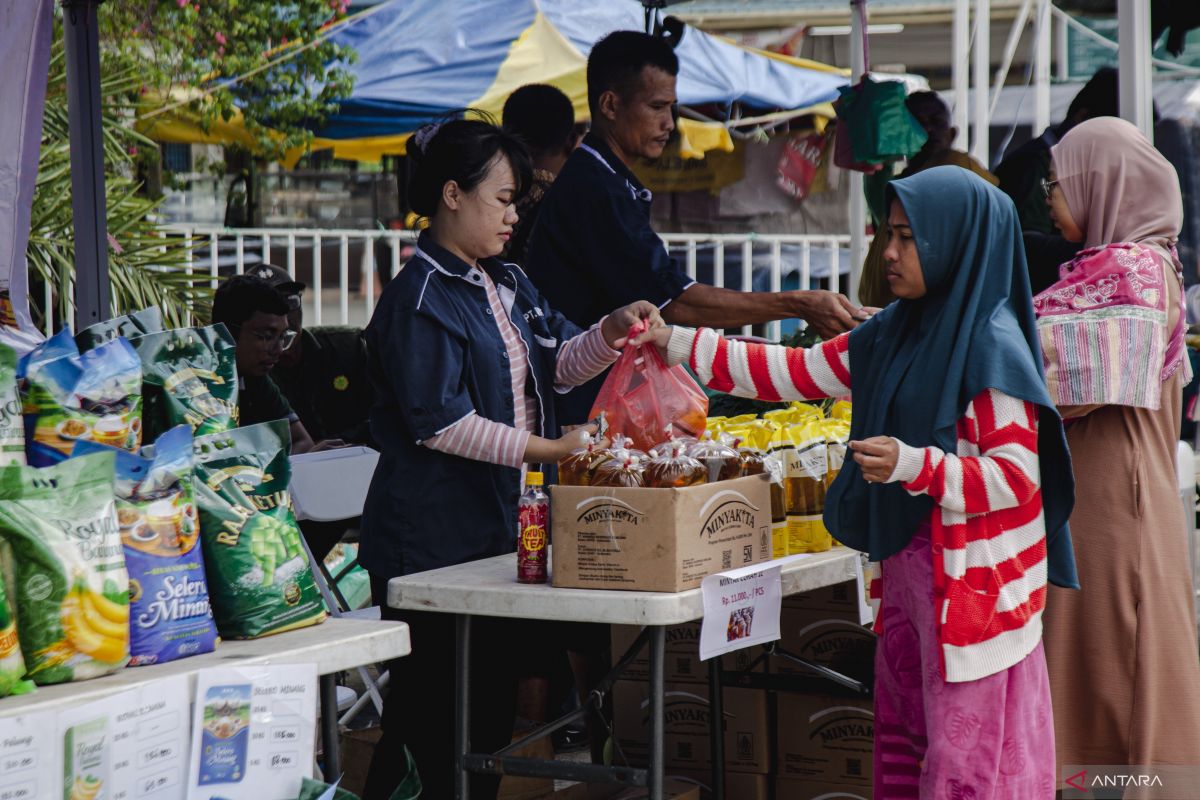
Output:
(416, 62)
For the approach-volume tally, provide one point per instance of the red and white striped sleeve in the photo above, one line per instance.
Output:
(764, 371)
(1006, 474)
(582, 358)
(482, 440)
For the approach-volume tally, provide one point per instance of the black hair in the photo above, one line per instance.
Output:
(462, 150)
(929, 110)
(238, 298)
(616, 64)
(1099, 96)
(542, 116)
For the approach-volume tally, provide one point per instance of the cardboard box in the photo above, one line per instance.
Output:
(738, 785)
(658, 540)
(826, 738)
(840, 600)
(673, 789)
(818, 790)
(686, 716)
(840, 644)
(357, 748)
(519, 787)
(683, 664)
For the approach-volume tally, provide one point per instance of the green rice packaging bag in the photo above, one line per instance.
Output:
(259, 577)
(190, 376)
(127, 326)
(12, 665)
(70, 588)
(70, 396)
(12, 421)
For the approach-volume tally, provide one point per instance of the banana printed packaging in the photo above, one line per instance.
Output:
(69, 587)
(170, 612)
(258, 572)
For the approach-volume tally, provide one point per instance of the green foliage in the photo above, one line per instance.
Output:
(146, 267)
(205, 44)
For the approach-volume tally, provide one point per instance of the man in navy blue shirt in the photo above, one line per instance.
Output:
(593, 248)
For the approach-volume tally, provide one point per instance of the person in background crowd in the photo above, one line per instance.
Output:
(934, 116)
(1124, 675)
(256, 314)
(543, 118)
(593, 248)
(323, 374)
(465, 357)
(323, 377)
(962, 491)
(1022, 172)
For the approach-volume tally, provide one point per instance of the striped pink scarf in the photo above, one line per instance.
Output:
(1103, 328)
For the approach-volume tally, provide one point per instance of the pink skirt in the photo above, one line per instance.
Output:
(989, 739)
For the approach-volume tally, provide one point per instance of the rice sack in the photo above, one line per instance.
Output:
(70, 588)
(258, 571)
(190, 376)
(12, 665)
(70, 396)
(127, 326)
(12, 420)
(170, 615)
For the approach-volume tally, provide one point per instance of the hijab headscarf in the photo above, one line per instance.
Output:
(1125, 197)
(918, 364)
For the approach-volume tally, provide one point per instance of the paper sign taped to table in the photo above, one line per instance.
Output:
(28, 767)
(128, 746)
(741, 609)
(252, 732)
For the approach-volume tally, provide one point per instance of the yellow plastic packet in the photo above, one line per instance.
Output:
(837, 436)
(841, 411)
(805, 475)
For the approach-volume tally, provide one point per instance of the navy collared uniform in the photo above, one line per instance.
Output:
(593, 249)
(436, 356)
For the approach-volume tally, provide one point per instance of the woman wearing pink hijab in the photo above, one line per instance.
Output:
(1121, 651)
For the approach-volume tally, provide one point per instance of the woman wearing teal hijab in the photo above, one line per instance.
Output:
(960, 485)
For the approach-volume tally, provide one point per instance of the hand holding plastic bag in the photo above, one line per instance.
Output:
(642, 396)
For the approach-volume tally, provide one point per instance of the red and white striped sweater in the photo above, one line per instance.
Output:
(988, 535)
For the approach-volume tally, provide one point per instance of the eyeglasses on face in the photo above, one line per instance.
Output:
(269, 340)
(1047, 187)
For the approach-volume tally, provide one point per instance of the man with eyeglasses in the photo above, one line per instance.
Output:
(256, 313)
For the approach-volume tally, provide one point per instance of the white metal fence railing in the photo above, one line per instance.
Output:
(345, 269)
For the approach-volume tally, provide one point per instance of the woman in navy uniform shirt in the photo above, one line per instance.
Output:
(465, 356)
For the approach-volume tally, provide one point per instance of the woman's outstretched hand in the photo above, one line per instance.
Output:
(617, 325)
(876, 457)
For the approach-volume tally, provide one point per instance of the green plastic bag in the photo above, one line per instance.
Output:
(190, 376)
(69, 587)
(879, 125)
(259, 578)
(126, 326)
(12, 664)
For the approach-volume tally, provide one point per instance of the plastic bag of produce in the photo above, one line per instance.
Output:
(191, 377)
(12, 420)
(170, 616)
(257, 567)
(70, 588)
(71, 396)
(127, 326)
(642, 396)
(12, 665)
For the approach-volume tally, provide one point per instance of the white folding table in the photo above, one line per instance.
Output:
(334, 646)
(489, 588)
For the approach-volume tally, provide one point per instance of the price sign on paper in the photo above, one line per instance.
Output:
(741, 608)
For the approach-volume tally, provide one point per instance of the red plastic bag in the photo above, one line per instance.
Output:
(642, 397)
(798, 165)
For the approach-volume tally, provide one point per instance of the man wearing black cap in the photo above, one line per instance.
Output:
(323, 374)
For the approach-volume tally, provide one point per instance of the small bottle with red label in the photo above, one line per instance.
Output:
(533, 531)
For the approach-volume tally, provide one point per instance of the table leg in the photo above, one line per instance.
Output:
(658, 645)
(462, 720)
(329, 728)
(716, 730)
